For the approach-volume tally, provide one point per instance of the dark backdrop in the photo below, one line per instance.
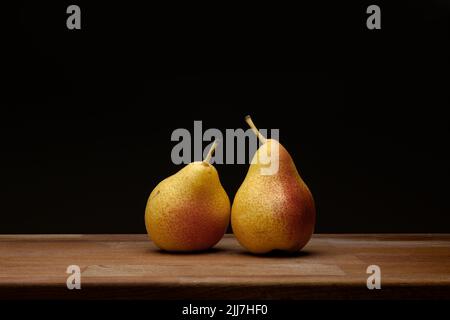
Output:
(86, 116)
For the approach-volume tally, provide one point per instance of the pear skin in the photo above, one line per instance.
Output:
(273, 212)
(188, 211)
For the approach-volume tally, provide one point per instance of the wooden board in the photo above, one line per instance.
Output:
(414, 266)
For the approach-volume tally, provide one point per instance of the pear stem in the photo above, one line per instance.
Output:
(261, 138)
(210, 152)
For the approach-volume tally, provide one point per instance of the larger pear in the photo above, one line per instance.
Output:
(190, 210)
(273, 208)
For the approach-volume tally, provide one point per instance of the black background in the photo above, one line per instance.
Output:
(86, 116)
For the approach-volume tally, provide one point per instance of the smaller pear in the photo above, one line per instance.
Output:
(272, 210)
(190, 210)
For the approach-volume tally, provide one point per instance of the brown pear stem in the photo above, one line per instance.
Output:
(210, 152)
(255, 130)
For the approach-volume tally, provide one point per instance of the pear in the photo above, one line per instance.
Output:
(190, 210)
(273, 211)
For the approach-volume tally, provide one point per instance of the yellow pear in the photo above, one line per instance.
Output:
(273, 208)
(190, 210)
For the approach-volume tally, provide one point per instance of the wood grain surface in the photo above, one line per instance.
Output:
(413, 266)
